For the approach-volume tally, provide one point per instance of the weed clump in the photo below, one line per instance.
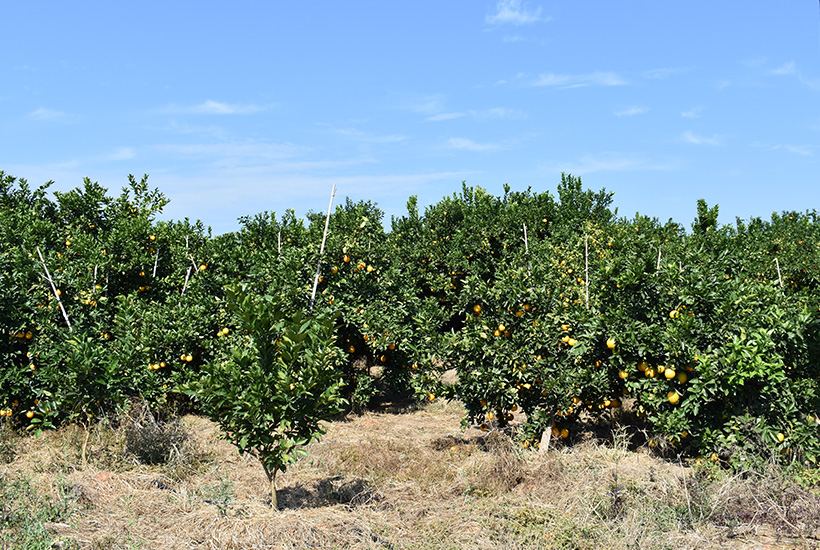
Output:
(152, 441)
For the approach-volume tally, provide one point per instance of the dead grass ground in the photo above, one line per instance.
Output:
(406, 481)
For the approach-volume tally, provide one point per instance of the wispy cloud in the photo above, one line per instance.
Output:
(694, 112)
(465, 144)
(494, 113)
(248, 149)
(664, 72)
(429, 104)
(41, 113)
(445, 116)
(210, 107)
(632, 111)
(609, 161)
(512, 12)
(787, 68)
(714, 141)
(579, 80)
(367, 137)
(790, 68)
(803, 150)
(123, 153)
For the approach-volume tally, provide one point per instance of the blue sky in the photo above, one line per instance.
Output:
(236, 108)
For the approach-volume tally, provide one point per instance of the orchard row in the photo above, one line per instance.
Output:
(550, 306)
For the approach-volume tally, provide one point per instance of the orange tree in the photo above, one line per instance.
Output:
(275, 381)
(104, 284)
(718, 358)
(511, 279)
(364, 279)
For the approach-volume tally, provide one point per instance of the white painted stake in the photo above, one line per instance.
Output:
(322, 249)
(54, 290)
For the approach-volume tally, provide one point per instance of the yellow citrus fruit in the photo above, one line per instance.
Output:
(431, 397)
(152, 237)
(642, 366)
(564, 433)
(674, 314)
(622, 374)
(189, 358)
(30, 414)
(781, 437)
(334, 269)
(669, 374)
(572, 342)
(673, 397)
(610, 343)
(682, 378)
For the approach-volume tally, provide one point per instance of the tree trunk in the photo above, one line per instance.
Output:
(274, 501)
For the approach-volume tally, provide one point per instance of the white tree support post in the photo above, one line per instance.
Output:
(779, 276)
(544, 445)
(185, 286)
(527, 249)
(156, 259)
(586, 270)
(54, 290)
(322, 249)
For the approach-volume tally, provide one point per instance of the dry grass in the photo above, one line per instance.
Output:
(405, 481)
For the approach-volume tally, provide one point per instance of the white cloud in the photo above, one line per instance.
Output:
(714, 141)
(803, 150)
(511, 12)
(579, 80)
(123, 153)
(445, 116)
(694, 112)
(787, 68)
(367, 137)
(41, 113)
(248, 149)
(632, 111)
(465, 144)
(499, 113)
(616, 162)
(495, 113)
(210, 107)
(664, 72)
